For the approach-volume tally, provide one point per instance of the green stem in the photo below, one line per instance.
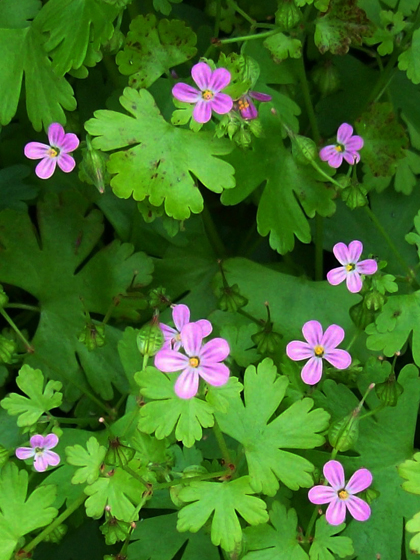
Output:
(23, 306)
(39, 538)
(311, 522)
(353, 340)
(308, 101)
(372, 412)
(319, 247)
(250, 317)
(222, 443)
(110, 310)
(145, 360)
(183, 481)
(249, 37)
(212, 233)
(241, 12)
(136, 476)
(322, 172)
(29, 348)
(73, 420)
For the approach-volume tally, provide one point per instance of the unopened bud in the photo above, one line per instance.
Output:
(230, 299)
(57, 534)
(389, 391)
(8, 350)
(150, 338)
(92, 169)
(92, 335)
(303, 149)
(118, 454)
(267, 341)
(344, 433)
(374, 300)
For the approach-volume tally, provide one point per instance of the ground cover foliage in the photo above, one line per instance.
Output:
(210, 282)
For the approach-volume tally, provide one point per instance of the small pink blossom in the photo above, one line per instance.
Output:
(319, 346)
(56, 153)
(347, 147)
(208, 97)
(340, 495)
(40, 449)
(247, 108)
(199, 360)
(352, 268)
(181, 317)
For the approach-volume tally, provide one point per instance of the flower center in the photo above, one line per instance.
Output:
(339, 148)
(39, 450)
(194, 362)
(319, 351)
(243, 104)
(350, 267)
(207, 95)
(52, 152)
(343, 494)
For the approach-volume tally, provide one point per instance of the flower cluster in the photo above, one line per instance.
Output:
(347, 147)
(40, 450)
(198, 359)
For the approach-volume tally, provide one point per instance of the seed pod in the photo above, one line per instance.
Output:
(389, 391)
(150, 338)
(344, 433)
(92, 335)
(231, 299)
(267, 341)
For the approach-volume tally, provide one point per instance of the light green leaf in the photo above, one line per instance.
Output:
(223, 500)
(408, 168)
(295, 428)
(413, 526)
(392, 25)
(410, 470)
(41, 400)
(89, 460)
(220, 397)
(282, 46)
(152, 48)
(326, 546)
(409, 60)
(161, 163)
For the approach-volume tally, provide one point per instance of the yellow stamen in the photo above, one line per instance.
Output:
(207, 95)
(52, 153)
(194, 362)
(319, 350)
(339, 148)
(343, 494)
(349, 267)
(243, 104)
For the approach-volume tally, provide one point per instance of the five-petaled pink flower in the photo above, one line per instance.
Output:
(340, 495)
(181, 317)
(352, 268)
(346, 147)
(201, 360)
(208, 98)
(56, 153)
(247, 108)
(40, 449)
(319, 346)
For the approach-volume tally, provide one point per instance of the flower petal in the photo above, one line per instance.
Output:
(37, 441)
(186, 93)
(368, 266)
(354, 143)
(336, 512)
(40, 463)
(250, 111)
(327, 152)
(170, 361)
(186, 386)
(354, 282)
(344, 133)
(333, 336)
(52, 458)
(312, 331)
(206, 327)
(180, 316)
(213, 351)
(298, 350)
(340, 359)
(70, 143)
(50, 441)
(355, 251)
(221, 103)
(214, 374)
(336, 160)
(358, 508)
(201, 74)
(36, 150)
(361, 480)
(56, 135)
(350, 157)
(219, 79)
(334, 473)
(259, 96)
(321, 494)
(192, 339)
(202, 111)
(65, 162)
(341, 253)
(337, 275)
(24, 452)
(312, 371)
(168, 332)
(45, 168)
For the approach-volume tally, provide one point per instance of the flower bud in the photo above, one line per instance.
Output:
(4, 299)
(92, 169)
(158, 298)
(243, 138)
(343, 433)
(8, 350)
(267, 341)
(150, 338)
(92, 335)
(354, 196)
(374, 300)
(57, 534)
(118, 454)
(389, 391)
(361, 316)
(303, 149)
(230, 299)
(288, 15)
(326, 77)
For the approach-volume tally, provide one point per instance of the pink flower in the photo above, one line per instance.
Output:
(57, 152)
(200, 361)
(181, 317)
(318, 347)
(341, 495)
(40, 449)
(352, 268)
(247, 108)
(346, 147)
(208, 98)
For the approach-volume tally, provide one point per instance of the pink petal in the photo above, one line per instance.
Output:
(312, 371)
(334, 473)
(356, 157)
(206, 327)
(220, 78)
(328, 152)
(201, 74)
(340, 359)
(192, 339)
(170, 361)
(214, 374)
(354, 282)
(336, 512)
(168, 332)
(354, 143)
(36, 150)
(355, 250)
(249, 112)
(215, 350)
(180, 316)
(221, 103)
(333, 336)
(341, 253)
(40, 463)
(186, 93)
(361, 480)
(350, 157)
(298, 350)
(337, 275)
(321, 494)
(37, 441)
(45, 168)
(70, 143)
(24, 452)
(344, 133)
(186, 385)
(202, 111)
(336, 160)
(312, 331)
(65, 162)
(50, 441)
(368, 266)
(56, 135)
(52, 458)
(260, 96)
(358, 508)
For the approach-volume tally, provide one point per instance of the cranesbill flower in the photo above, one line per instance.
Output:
(346, 147)
(319, 346)
(340, 495)
(208, 97)
(181, 317)
(40, 450)
(56, 153)
(200, 361)
(247, 108)
(352, 268)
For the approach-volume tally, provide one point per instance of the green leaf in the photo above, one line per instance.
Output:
(282, 46)
(295, 428)
(223, 500)
(405, 176)
(409, 60)
(278, 540)
(327, 546)
(153, 48)
(169, 412)
(14, 15)
(392, 25)
(410, 470)
(242, 348)
(385, 139)
(13, 191)
(413, 526)
(161, 164)
(164, 6)
(41, 400)
(219, 397)
(89, 460)
(18, 515)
